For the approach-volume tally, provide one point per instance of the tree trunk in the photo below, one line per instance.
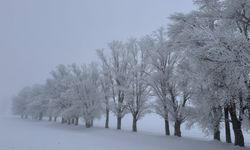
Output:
(227, 126)
(63, 120)
(50, 118)
(92, 123)
(120, 109)
(40, 116)
(73, 121)
(68, 121)
(177, 128)
(55, 118)
(217, 114)
(248, 112)
(119, 123)
(167, 131)
(88, 124)
(134, 125)
(107, 118)
(76, 121)
(239, 138)
(217, 133)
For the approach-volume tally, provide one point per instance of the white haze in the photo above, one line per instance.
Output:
(38, 35)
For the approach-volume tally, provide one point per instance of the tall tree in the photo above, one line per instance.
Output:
(118, 66)
(138, 92)
(162, 61)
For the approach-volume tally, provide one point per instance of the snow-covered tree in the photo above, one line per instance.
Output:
(163, 61)
(118, 67)
(215, 40)
(138, 92)
(85, 92)
(105, 89)
(60, 84)
(20, 102)
(180, 91)
(38, 103)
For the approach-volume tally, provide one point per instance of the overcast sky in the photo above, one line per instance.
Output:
(37, 35)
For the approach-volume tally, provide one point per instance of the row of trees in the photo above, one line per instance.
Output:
(196, 71)
(72, 92)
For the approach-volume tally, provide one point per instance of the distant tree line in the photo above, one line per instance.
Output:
(198, 71)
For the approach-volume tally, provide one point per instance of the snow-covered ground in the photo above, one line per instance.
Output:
(18, 134)
(153, 124)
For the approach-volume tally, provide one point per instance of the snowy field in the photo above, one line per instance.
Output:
(18, 134)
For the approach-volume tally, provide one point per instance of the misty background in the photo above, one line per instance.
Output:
(37, 35)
